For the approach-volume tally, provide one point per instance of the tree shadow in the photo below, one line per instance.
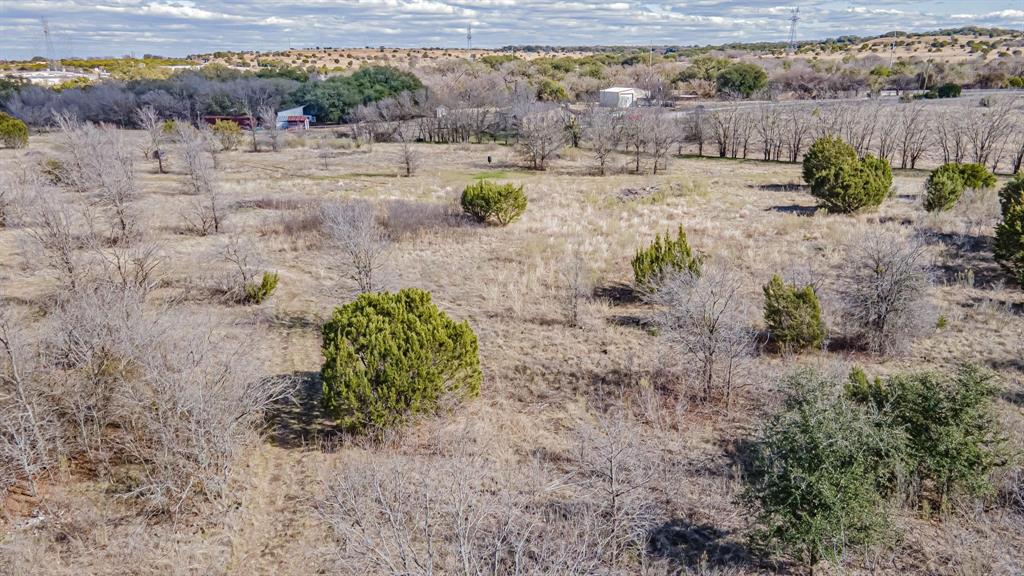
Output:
(618, 293)
(299, 420)
(970, 255)
(697, 545)
(787, 187)
(1015, 397)
(797, 209)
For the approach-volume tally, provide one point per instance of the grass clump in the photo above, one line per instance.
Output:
(664, 255)
(391, 355)
(501, 204)
(793, 315)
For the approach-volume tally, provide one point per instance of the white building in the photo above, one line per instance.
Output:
(294, 118)
(622, 97)
(54, 77)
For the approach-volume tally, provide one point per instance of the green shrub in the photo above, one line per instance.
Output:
(821, 474)
(943, 188)
(1009, 246)
(388, 356)
(840, 181)
(257, 293)
(490, 202)
(824, 155)
(664, 255)
(950, 434)
(948, 90)
(793, 315)
(742, 78)
(976, 176)
(229, 134)
(13, 132)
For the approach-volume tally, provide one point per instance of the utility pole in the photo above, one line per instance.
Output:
(791, 46)
(892, 50)
(51, 58)
(469, 37)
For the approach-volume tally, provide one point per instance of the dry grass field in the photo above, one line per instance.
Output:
(546, 384)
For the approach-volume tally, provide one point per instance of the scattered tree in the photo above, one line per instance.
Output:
(541, 137)
(793, 315)
(1009, 247)
(354, 228)
(390, 356)
(489, 202)
(13, 132)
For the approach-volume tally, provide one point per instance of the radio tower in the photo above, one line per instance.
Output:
(791, 47)
(51, 58)
(469, 36)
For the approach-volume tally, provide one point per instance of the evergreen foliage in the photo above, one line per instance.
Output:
(664, 255)
(257, 293)
(392, 355)
(943, 188)
(793, 315)
(821, 472)
(950, 435)
(13, 132)
(840, 181)
(1009, 246)
(501, 204)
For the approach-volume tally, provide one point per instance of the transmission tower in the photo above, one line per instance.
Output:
(791, 47)
(469, 36)
(51, 58)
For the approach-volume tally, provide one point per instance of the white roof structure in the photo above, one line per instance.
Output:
(622, 96)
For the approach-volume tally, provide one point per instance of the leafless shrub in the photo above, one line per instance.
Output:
(29, 437)
(144, 387)
(268, 120)
(541, 136)
(659, 135)
(246, 263)
(702, 319)
(206, 214)
(460, 514)
(133, 266)
(575, 285)
(324, 152)
(52, 225)
(411, 219)
(96, 159)
(354, 228)
(408, 156)
(884, 292)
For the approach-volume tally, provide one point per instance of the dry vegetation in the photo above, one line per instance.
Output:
(592, 447)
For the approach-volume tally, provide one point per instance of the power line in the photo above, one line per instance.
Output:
(791, 47)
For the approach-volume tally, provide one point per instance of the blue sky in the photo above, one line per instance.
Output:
(180, 27)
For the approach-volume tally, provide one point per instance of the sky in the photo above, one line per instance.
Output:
(182, 27)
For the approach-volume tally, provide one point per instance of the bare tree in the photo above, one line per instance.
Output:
(575, 285)
(408, 155)
(617, 468)
(914, 135)
(268, 120)
(207, 214)
(354, 228)
(52, 224)
(602, 132)
(884, 292)
(541, 136)
(701, 318)
(323, 150)
(659, 135)
(149, 121)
